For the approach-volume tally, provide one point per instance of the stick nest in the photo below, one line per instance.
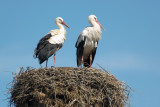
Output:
(67, 87)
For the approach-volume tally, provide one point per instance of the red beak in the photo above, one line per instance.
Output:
(100, 25)
(65, 24)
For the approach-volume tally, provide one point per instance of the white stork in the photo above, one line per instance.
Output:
(51, 43)
(87, 42)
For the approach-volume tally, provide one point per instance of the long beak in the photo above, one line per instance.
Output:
(65, 24)
(100, 25)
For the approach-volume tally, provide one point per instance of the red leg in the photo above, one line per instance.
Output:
(90, 60)
(54, 60)
(81, 61)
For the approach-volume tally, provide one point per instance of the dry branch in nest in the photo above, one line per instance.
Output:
(68, 87)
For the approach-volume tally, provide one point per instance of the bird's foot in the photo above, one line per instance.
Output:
(53, 67)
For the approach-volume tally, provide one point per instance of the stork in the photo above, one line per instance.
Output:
(87, 42)
(51, 42)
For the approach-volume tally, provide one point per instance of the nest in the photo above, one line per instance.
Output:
(67, 87)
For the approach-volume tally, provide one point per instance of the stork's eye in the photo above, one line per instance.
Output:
(60, 20)
(95, 18)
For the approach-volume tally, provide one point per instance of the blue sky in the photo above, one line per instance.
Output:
(129, 48)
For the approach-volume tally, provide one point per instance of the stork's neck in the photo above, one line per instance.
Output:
(95, 25)
(61, 28)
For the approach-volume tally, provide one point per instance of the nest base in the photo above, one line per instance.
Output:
(67, 87)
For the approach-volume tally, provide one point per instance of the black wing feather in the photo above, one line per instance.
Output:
(45, 49)
(79, 52)
(48, 51)
(41, 44)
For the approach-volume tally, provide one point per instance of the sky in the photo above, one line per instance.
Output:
(129, 48)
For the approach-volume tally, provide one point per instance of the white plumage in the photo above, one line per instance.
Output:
(60, 38)
(51, 42)
(88, 41)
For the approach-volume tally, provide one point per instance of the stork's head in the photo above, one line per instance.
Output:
(92, 19)
(59, 20)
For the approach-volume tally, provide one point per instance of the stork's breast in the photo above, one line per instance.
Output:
(57, 39)
(88, 47)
